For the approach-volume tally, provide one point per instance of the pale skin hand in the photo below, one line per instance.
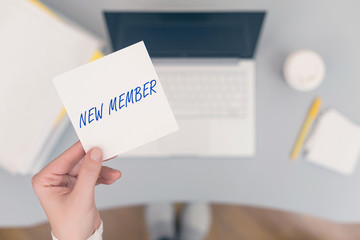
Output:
(66, 187)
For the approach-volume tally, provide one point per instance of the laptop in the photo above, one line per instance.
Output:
(205, 63)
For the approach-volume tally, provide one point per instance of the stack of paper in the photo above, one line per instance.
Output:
(34, 47)
(335, 143)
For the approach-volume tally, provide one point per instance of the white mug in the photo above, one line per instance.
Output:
(304, 70)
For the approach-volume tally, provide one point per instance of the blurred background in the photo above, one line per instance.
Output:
(265, 94)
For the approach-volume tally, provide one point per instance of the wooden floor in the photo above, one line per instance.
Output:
(229, 223)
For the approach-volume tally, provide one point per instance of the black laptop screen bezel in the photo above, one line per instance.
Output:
(187, 34)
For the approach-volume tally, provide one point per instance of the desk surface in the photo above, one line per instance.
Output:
(269, 179)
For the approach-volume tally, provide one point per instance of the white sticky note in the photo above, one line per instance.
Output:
(117, 102)
(335, 143)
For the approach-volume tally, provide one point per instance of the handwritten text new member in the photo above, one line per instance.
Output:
(117, 103)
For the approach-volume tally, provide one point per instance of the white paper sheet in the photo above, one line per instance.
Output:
(335, 143)
(34, 48)
(117, 102)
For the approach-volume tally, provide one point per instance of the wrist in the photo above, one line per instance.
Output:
(77, 226)
(97, 224)
(96, 235)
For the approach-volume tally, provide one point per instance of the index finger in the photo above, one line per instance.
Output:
(67, 160)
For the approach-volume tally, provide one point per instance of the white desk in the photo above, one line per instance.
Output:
(269, 179)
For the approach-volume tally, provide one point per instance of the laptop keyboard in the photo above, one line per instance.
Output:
(207, 94)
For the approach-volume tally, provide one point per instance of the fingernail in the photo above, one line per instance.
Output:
(95, 155)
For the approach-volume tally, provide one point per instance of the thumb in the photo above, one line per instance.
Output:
(89, 172)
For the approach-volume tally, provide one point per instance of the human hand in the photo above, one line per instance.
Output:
(66, 187)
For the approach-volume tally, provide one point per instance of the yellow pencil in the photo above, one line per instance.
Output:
(306, 127)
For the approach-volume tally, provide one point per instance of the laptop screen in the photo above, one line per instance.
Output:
(187, 34)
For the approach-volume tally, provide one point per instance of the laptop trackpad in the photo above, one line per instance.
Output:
(191, 139)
